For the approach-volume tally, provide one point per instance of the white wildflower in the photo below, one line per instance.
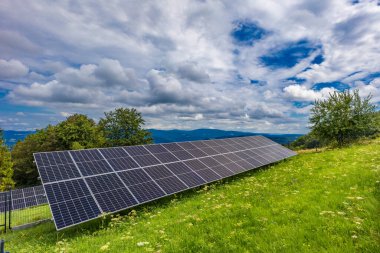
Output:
(141, 244)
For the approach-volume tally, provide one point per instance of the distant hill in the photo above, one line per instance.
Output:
(161, 136)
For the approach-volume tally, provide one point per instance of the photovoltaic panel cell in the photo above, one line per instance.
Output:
(17, 194)
(71, 202)
(155, 149)
(115, 200)
(200, 144)
(171, 184)
(136, 150)
(244, 164)
(234, 167)
(87, 155)
(28, 192)
(30, 201)
(222, 159)
(50, 159)
(191, 179)
(209, 161)
(132, 177)
(197, 152)
(41, 199)
(58, 172)
(187, 145)
(74, 211)
(233, 157)
(146, 160)
(172, 147)
(22, 198)
(3, 203)
(182, 155)
(157, 172)
(208, 175)
(254, 162)
(110, 192)
(166, 157)
(222, 171)
(104, 183)
(61, 191)
(147, 191)
(110, 153)
(195, 164)
(221, 149)
(18, 204)
(82, 184)
(209, 151)
(94, 167)
(222, 142)
(212, 143)
(178, 168)
(123, 163)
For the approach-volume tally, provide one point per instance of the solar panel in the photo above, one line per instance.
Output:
(23, 198)
(82, 184)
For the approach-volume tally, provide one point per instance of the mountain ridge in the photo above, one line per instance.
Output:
(174, 135)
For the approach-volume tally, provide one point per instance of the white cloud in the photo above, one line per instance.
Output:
(371, 89)
(65, 114)
(12, 69)
(176, 61)
(300, 92)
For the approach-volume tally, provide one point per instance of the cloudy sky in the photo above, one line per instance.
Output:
(242, 65)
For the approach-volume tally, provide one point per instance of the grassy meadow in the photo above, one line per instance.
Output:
(314, 202)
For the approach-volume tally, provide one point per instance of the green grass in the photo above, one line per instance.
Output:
(315, 202)
(29, 215)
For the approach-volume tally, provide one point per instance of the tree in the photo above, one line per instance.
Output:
(25, 171)
(123, 127)
(6, 166)
(307, 141)
(78, 131)
(343, 117)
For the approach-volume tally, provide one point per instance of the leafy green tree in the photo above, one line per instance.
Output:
(343, 117)
(6, 166)
(307, 141)
(78, 131)
(377, 122)
(25, 171)
(123, 127)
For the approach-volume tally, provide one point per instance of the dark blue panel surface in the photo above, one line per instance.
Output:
(166, 157)
(178, 168)
(146, 160)
(147, 191)
(123, 163)
(191, 179)
(94, 167)
(195, 165)
(132, 177)
(171, 185)
(158, 171)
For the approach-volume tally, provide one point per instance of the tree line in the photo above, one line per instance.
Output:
(120, 127)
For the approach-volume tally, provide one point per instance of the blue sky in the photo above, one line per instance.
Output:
(240, 65)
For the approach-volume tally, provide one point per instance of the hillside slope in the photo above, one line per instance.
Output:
(314, 202)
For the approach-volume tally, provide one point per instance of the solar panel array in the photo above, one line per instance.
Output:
(23, 198)
(82, 184)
